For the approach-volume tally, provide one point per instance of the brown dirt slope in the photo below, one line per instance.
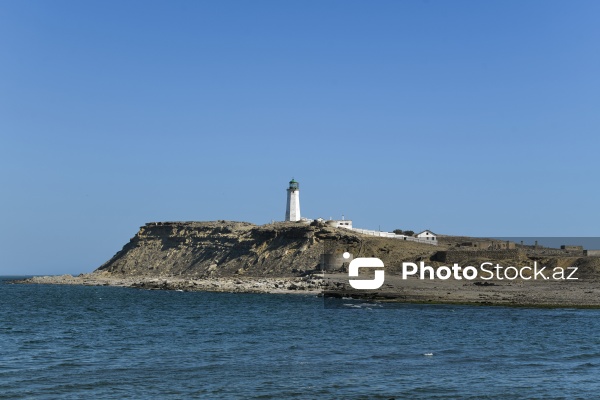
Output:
(225, 248)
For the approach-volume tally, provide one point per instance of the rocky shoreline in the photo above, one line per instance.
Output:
(310, 284)
(582, 294)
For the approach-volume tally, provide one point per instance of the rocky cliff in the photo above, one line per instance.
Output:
(224, 248)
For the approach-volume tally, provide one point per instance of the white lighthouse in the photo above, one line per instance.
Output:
(292, 210)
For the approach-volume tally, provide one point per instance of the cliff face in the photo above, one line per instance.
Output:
(224, 248)
(213, 249)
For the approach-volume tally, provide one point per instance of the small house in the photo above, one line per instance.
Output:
(427, 235)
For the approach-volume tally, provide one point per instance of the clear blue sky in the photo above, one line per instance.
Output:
(464, 117)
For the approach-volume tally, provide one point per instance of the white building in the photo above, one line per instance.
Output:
(427, 235)
(340, 223)
(292, 210)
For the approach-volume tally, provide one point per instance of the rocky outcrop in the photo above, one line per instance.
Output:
(224, 248)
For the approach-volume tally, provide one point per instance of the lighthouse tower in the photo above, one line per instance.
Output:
(292, 210)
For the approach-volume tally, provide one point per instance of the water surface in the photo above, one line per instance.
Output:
(67, 342)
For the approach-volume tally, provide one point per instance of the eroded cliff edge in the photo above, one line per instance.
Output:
(224, 248)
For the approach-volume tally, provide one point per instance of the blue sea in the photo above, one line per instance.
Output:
(73, 342)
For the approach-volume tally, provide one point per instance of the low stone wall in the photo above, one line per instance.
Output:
(554, 252)
(462, 255)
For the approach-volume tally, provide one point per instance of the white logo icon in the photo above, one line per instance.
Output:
(365, 262)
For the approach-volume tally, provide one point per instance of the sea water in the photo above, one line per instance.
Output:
(71, 342)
